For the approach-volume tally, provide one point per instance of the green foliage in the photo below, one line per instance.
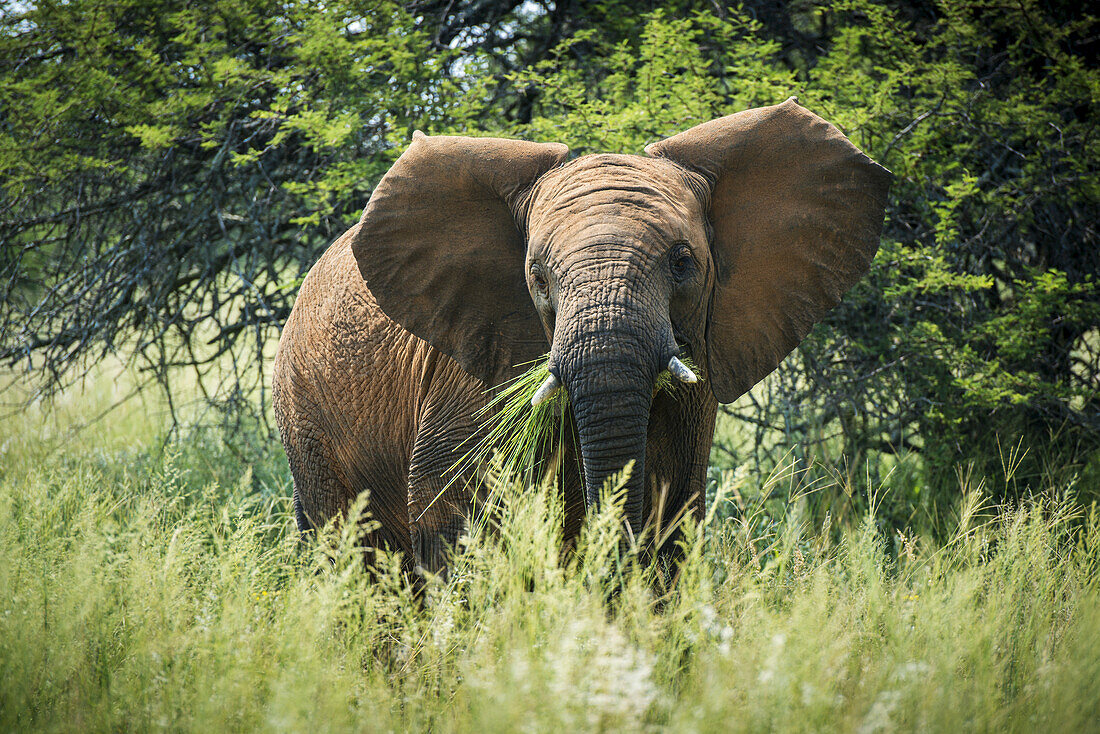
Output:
(155, 585)
(653, 85)
(165, 167)
(989, 305)
(168, 171)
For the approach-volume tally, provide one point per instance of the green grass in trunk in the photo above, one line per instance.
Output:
(515, 434)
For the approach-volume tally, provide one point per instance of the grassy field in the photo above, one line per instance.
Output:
(154, 581)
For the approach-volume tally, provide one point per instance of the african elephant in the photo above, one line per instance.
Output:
(725, 243)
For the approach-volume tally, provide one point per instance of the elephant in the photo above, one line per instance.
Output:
(724, 243)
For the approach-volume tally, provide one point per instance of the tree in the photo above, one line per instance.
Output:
(169, 169)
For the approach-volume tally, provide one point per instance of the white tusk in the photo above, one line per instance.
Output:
(546, 390)
(681, 371)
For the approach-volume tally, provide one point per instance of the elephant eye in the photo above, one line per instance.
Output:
(680, 261)
(538, 277)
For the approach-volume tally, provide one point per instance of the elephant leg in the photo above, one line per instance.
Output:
(319, 493)
(572, 487)
(322, 490)
(440, 504)
(438, 511)
(681, 433)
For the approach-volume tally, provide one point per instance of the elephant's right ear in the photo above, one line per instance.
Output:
(441, 250)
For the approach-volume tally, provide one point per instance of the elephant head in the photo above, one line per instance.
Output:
(726, 242)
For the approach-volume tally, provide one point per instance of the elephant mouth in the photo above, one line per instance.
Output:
(683, 346)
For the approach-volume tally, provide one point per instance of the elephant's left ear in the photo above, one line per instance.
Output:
(797, 211)
(441, 246)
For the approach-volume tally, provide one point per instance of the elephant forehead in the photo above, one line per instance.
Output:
(608, 191)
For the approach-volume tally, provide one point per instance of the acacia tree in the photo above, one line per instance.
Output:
(977, 332)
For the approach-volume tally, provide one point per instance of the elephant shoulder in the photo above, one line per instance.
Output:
(335, 301)
(338, 334)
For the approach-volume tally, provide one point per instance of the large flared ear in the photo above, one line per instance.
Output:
(441, 250)
(797, 211)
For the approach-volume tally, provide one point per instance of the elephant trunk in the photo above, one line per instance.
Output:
(609, 367)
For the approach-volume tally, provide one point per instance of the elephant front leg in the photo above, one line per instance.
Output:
(440, 498)
(439, 508)
(434, 534)
(680, 433)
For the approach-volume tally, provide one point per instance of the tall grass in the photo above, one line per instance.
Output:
(160, 585)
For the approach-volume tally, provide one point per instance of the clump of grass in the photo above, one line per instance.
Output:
(517, 434)
(513, 429)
